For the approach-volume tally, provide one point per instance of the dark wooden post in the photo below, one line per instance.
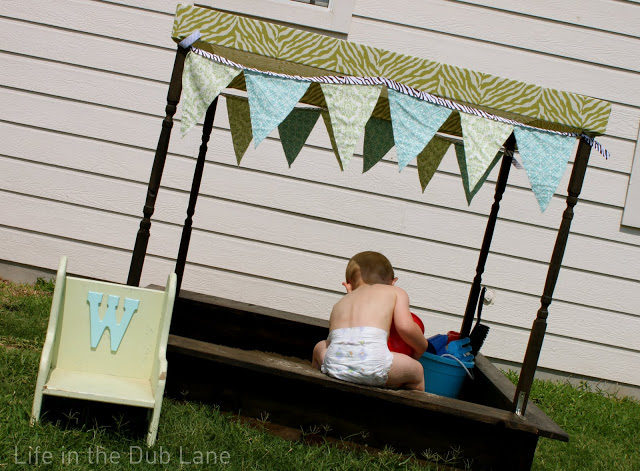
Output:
(193, 196)
(142, 238)
(540, 323)
(501, 184)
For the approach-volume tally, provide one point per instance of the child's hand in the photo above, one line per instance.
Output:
(347, 286)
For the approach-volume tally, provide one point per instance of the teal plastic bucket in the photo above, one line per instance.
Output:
(443, 375)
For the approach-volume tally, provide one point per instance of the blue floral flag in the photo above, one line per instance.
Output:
(544, 156)
(271, 99)
(415, 122)
(295, 130)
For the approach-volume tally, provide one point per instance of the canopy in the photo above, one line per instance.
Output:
(377, 93)
(277, 48)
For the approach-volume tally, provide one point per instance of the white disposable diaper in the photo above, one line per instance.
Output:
(359, 355)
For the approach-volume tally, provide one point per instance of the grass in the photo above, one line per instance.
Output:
(604, 429)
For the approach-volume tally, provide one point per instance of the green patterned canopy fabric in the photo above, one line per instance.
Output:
(277, 48)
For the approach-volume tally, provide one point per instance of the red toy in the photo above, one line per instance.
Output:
(453, 335)
(395, 342)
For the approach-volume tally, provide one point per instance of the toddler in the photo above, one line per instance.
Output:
(356, 349)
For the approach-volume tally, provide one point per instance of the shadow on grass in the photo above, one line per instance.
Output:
(113, 420)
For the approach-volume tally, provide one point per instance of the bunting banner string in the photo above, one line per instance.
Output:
(415, 119)
(406, 90)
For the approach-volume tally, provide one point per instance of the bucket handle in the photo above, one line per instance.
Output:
(449, 355)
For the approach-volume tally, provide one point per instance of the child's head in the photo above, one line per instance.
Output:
(370, 268)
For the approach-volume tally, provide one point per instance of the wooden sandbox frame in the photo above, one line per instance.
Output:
(267, 370)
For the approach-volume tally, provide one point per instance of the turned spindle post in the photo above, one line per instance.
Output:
(193, 196)
(142, 238)
(540, 323)
(501, 184)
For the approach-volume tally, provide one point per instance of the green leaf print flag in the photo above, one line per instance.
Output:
(429, 159)
(240, 125)
(378, 140)
(483, 138)
(295, 129)
(470, 191)
(350, 107)
(202, 81)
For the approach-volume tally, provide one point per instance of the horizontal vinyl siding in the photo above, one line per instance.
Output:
(84, 85)
(110, 263)
(505, 29)
(620, 17)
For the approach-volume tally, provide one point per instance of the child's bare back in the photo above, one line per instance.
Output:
(356, 349)
(369, 305)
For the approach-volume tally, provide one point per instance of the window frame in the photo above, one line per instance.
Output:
(335, 18)
(631, 212)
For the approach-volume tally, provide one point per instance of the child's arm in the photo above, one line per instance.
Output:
(406, 327)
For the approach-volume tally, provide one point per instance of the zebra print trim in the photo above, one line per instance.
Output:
(349, 80)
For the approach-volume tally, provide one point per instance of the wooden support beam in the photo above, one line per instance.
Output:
(501, 184)
(193, 196)
(540, 323)
(142, 238)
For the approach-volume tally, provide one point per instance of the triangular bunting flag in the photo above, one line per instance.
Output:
(327, 122)
(378, 140)
(202, 81)
(295, 130)
(415, 122)
(469, 191)
(483, 138)
(271, 99)
(545, 156)
(240, 125)
(429, 159)
(350, 107)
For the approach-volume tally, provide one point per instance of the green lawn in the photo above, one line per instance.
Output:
(604, 430)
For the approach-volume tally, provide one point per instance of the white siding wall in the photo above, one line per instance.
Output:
(83, 86)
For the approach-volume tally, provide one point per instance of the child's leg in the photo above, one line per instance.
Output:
(318, 354)
(405, 373)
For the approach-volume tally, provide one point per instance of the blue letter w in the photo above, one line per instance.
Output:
(98, 325)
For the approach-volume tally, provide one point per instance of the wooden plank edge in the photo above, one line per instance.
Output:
(546, 426)
(240, 306)
(264, 362)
